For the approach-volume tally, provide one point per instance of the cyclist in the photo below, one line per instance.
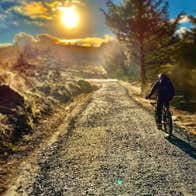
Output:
(165, 93)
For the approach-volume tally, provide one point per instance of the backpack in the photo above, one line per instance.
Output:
(166, 90)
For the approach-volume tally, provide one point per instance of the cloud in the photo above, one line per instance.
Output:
(86, 42)
(47, 38)
(182, 30)
(184, 19)
(5, 45)
(23, 39)
(33, 10)
(51, 5)
(75, 2)
(94, 41)
(7, 4)
(37, 9)
(38, 16)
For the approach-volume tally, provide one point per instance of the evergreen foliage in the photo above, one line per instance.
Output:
(144, 27)
(184, 69)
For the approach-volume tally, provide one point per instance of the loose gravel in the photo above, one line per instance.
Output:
(111, 148)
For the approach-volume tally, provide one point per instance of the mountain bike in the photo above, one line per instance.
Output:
(167, 123)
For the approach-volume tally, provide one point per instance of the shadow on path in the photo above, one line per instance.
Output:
(187, 148)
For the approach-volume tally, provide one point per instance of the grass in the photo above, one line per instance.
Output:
(46, 131)
(184, 119)
(42, 93)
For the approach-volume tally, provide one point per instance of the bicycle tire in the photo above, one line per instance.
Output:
(168, 124)
(164, 119)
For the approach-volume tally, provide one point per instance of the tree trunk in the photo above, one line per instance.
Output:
(143, 79)
(142, 67)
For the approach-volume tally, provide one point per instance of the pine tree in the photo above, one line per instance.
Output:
(185, 55)
(193, 29)
(184, 66)
(145, 28)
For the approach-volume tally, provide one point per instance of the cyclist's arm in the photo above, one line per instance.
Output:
(154, 88)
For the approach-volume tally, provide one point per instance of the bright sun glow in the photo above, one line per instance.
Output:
(70, 17)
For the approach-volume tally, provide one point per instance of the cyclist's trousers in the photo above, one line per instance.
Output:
(159, 109)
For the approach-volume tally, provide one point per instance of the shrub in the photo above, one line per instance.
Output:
(85, 86)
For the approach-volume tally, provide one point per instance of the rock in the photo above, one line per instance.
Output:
(9, 97)
(74, 89)
(85, 86)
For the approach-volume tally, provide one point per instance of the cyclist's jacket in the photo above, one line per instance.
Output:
(164, 88)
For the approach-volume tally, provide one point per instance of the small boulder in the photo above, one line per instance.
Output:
(9, 97)
(85, 86)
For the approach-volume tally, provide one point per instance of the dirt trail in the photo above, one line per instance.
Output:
(112, 148)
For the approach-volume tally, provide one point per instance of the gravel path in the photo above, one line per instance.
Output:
(112, 148)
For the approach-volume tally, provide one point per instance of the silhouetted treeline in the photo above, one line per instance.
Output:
(152, 44)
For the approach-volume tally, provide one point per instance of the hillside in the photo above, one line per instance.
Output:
(47, 53)
(44, 75)
(46, 86)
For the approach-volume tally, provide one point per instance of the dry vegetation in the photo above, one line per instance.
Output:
(183, 119)
(29, 98)
(35, 87)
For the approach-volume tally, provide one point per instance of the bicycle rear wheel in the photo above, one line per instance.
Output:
(168, 125)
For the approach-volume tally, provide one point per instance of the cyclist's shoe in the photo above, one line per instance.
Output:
(159, 126)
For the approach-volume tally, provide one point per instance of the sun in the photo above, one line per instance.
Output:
(70, 17)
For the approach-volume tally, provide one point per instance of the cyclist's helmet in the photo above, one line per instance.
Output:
(162, 76)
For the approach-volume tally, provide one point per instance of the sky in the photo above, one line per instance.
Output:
(42, 17)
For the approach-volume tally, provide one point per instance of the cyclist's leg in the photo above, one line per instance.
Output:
(159, 113)
(167, 105)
